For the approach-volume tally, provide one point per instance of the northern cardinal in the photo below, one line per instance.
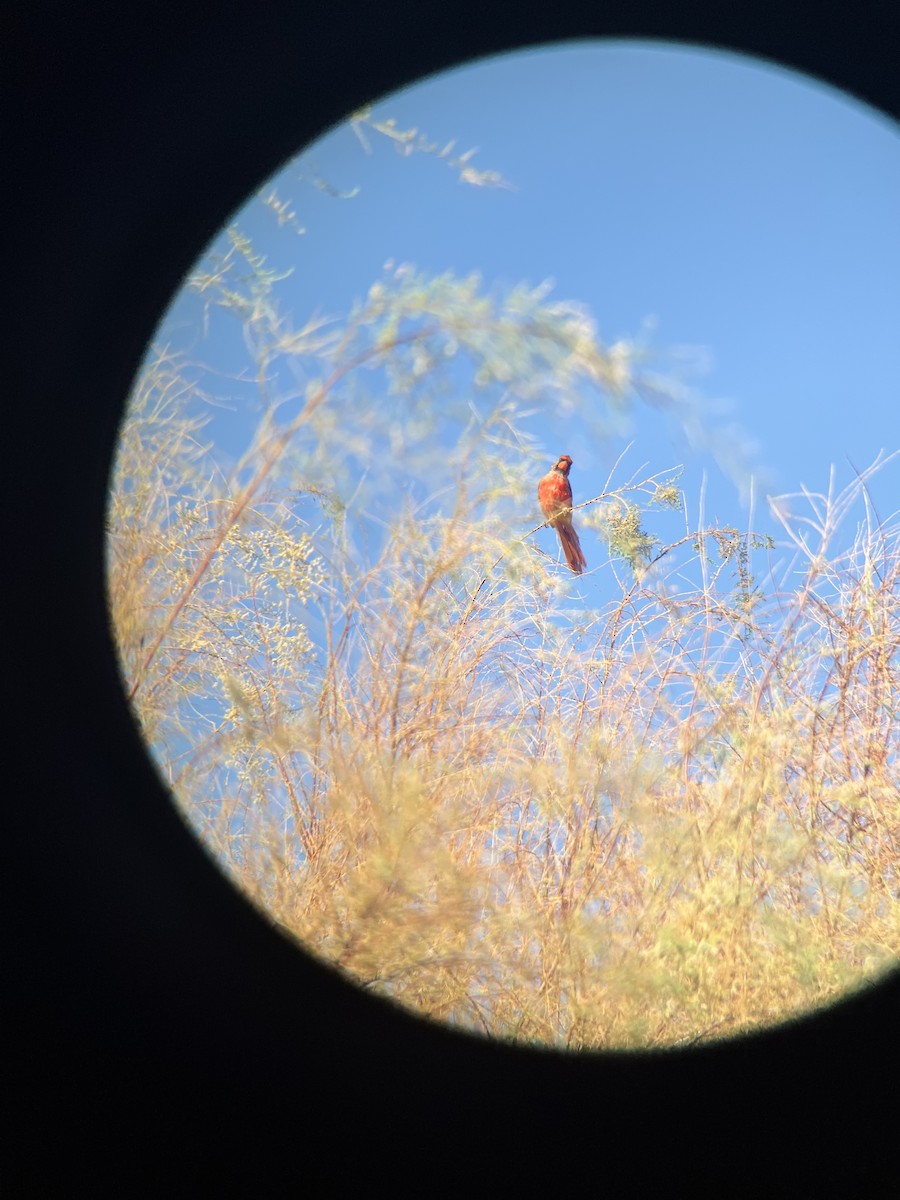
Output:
(555, 499)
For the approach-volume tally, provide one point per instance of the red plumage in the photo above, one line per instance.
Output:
(555, 499)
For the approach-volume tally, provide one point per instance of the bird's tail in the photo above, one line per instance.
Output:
(571, 547)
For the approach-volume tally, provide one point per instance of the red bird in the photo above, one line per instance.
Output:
(555, 499)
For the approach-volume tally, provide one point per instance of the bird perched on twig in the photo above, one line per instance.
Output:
(555, 499)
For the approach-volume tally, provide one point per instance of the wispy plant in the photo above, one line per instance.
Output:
(658, 811)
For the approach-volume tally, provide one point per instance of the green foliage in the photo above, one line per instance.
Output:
(627, 537)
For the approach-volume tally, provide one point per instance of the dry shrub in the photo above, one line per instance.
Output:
(670, 816)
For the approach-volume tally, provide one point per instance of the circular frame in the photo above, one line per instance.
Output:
(155, 1007)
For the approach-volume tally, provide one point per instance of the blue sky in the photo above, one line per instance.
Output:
(749, 213)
